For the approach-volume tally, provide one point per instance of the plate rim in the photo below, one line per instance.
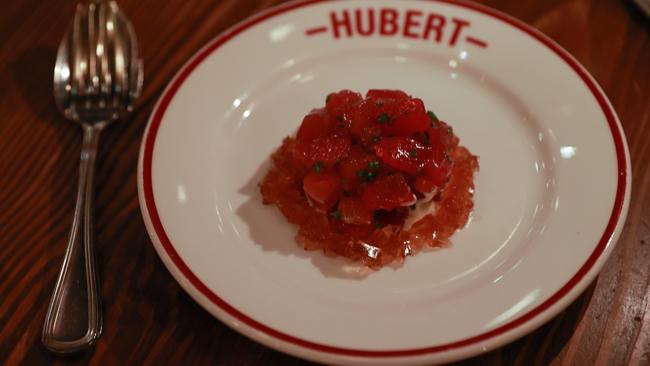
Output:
(502, 334)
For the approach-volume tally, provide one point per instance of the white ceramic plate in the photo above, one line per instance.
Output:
(551, 196)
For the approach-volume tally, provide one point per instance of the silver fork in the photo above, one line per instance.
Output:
(97, 77)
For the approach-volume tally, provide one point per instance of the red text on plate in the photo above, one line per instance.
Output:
(389, 22)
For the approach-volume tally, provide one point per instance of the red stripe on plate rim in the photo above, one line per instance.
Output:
(157, 116)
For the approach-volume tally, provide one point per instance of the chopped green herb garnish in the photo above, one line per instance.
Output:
(373, 165)
(413, 153)
(336, 214)
(433, 116)
(413, 206)
(366, 175)
(383, 118)
(317, 168)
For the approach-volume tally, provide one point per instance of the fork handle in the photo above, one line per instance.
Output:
(74, 318)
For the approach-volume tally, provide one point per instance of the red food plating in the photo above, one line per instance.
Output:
(355, 169)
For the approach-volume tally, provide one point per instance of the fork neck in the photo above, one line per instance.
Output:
(90, 141)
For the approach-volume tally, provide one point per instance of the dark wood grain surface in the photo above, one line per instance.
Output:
(148, 317)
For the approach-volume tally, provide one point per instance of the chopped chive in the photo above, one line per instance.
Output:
(413, 153)
(336, 214)
(435, 122)
(373, 165)
(383, 118)
(317, 168)
(365, 175)
(433, 116)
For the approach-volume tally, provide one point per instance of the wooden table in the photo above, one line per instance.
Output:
(148, 318)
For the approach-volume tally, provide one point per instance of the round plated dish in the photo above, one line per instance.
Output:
(550, 201)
